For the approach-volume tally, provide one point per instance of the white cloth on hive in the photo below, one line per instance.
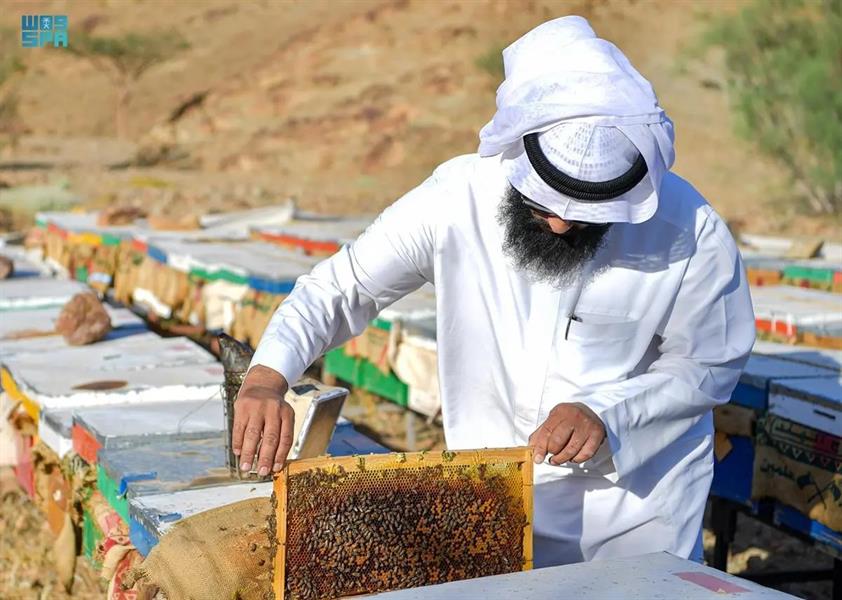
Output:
(220, 299)
(415, 361)
(560, 72)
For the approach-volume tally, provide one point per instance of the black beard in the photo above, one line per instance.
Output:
(545, 256)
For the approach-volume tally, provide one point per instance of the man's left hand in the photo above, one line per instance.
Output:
(572, 432)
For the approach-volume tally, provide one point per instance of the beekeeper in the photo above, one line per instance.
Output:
(589, 303)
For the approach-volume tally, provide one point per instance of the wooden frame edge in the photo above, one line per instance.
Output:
(528, 511)
(403, 460)
(521, 454)
(279, 560)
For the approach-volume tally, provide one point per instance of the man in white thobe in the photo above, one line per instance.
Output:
(589, 303)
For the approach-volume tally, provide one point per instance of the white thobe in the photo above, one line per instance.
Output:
(665, 327)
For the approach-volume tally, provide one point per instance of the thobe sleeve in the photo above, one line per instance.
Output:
(706, 339)
(335, 302)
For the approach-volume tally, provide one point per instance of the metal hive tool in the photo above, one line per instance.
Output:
(357, 525)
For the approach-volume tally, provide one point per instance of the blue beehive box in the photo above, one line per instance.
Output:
(159, 498)
(732, 474)
(752, 391)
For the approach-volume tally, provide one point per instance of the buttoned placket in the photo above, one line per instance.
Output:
(540, 332)
(540, 337)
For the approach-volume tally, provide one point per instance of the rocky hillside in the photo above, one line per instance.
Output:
(345, 105)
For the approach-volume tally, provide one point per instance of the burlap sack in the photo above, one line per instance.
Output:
(799, 466)
(758, 277)
(254, 312)
(377, 348)
(168, 285)
(147, 271)
(103, 266)
(191, 310)
(265, 308)
(117, 590)
(171, 286)
(372, 345)
(56, 248)
(126, 272)
(238, 325)
(81, 256)
(60, 487)
(44, 463)
(820, 340)
(220, 553)
(198, 306)
(64, 553)
(356, 346)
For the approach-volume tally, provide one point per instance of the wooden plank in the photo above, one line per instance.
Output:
(280, 497)
(528, 510)
(409, 460)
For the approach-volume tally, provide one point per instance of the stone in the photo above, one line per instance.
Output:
(83, 320)
(119, 215)
(7, 267)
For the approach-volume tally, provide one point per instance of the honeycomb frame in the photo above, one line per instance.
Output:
(482, 464)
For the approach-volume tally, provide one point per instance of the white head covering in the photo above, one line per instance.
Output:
(593, 111)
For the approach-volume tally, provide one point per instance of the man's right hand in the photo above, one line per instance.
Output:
(261, 412)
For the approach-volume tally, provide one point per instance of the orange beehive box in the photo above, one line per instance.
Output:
(358, 525)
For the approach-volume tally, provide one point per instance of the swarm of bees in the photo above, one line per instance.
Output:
(354, 532)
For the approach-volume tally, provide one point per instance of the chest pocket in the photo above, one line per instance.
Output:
(603, 347)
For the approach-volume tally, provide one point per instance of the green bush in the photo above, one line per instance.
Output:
(784, 70)
(492, 61)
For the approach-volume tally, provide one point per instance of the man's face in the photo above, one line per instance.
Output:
(543, 245)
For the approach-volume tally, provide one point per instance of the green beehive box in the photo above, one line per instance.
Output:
(109, 489)
(818, 277)
(361, 373)
(91, 536)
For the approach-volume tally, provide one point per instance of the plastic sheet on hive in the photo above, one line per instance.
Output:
(357, 525)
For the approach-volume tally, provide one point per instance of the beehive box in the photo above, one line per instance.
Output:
(356, 525)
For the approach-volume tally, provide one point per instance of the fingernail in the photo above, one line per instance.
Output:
(539, 458)
(263, 472)
(245, 466)
(276, 467)
(236, 451)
